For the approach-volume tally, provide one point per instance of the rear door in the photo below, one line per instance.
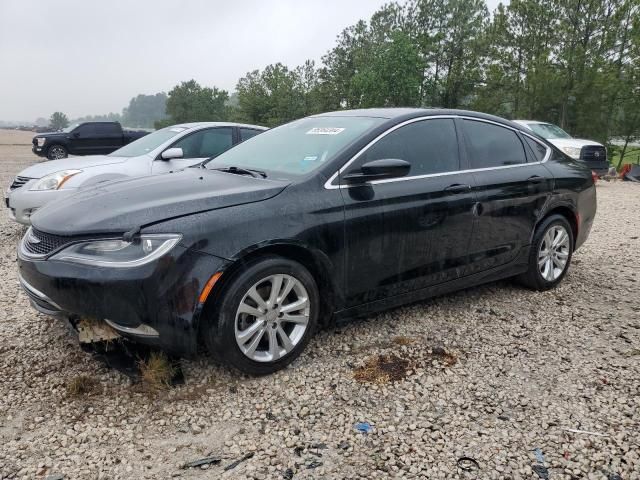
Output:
(108, 137)
(511, 185)
(196, 147)
(407, 233)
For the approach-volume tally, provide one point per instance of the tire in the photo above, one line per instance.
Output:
(547, 274)
(238, 319)
(56, 152)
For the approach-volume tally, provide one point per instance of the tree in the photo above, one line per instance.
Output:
(144, 110)
(190, 102)
(277, 95)
(58, 121)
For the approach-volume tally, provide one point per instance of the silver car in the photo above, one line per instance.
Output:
(165, 150)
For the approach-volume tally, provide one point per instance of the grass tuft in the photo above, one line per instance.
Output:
(156, 371)
(81, 385)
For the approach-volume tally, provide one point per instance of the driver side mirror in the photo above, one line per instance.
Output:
(171, 153)
(378, 170)
(76, 134)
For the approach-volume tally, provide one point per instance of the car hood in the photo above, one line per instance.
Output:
(572, 142)
(39, 170)
(127, 205)
(50, 134)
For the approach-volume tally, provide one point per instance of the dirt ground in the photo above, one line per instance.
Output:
(529, 385)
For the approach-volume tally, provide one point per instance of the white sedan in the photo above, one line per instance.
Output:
(171, 148)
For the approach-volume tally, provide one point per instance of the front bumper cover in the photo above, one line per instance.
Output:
(156, 303)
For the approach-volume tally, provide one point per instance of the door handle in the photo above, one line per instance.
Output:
(536, 179)
(458, 188)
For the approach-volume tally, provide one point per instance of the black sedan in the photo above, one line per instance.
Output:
(331, 216)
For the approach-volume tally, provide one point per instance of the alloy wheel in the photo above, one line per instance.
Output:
(272, 318)
(56, 153)
(553, 253)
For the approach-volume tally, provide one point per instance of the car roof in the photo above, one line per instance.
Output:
(401, 114)
(218, 124)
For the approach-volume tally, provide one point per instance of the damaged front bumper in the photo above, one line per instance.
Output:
(155, 304)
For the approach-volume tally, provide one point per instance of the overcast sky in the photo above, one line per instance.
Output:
(87, 57)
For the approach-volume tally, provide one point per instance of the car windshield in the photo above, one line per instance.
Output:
(548, 130)
(296, 148)
(150, 142)
(70, 127)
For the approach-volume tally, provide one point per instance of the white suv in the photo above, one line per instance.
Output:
(592, 154)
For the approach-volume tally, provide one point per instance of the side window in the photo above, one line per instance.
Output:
(205, 143)
(490, 145)
(216, 141)
(247, 133)
(430, 146)
(106, 129)
(539, 150)
(85, 130)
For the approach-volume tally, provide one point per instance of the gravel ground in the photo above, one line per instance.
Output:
(496, 373)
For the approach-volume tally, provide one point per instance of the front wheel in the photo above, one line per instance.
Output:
(56, 152)
(550, 254)
(265, 317)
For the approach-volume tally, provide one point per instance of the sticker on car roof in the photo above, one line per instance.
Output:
(325, 131)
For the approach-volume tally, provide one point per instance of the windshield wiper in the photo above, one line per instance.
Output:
(242, 171)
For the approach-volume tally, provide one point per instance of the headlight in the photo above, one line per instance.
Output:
(41, 141)
(54, 181)
(118, 253)
(573, 152)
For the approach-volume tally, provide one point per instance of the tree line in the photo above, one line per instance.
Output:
(575, 63)
(142, 112)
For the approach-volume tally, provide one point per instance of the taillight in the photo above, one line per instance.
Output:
(595, 176)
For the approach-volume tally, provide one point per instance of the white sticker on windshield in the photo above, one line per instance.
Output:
(310, 158)
(177, 129)
(325, 131)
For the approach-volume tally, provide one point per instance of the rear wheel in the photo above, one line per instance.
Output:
(56, 152)
(265, 316)
(550, 254)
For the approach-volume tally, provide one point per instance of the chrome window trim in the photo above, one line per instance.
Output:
(330, 186)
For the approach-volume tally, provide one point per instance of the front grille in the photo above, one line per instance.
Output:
(40, 243)
(593, 153)
(19, 182)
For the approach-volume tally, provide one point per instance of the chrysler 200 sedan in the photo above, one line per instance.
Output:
(331, 216)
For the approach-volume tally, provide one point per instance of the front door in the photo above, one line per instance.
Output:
(512, 186)
(83, 140)
(196, 147)
(408, 233)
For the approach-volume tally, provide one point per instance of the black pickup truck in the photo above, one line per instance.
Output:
(90, 138)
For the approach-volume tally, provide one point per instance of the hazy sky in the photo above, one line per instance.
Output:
(90, 57)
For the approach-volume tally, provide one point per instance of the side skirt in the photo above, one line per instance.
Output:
(516, 267)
